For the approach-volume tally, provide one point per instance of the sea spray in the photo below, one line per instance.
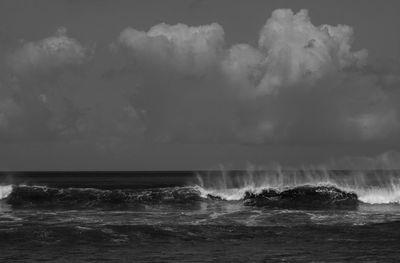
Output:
(374, 187)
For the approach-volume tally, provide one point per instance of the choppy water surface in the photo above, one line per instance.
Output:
(208, 220)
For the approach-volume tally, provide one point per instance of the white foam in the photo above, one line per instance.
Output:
(372, 188)
(5, 191)
(379, 196)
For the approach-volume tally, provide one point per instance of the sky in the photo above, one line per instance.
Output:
(182, 85)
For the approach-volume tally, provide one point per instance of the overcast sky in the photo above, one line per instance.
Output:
(177, 85)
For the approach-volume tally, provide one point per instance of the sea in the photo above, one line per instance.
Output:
(293, 215)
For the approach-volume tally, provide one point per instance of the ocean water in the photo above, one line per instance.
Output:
(234, 216)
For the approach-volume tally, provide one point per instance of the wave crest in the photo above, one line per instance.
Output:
(373, 187)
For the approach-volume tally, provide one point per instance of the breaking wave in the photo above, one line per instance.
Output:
(372, 187)
(278, 188)
(297, 197)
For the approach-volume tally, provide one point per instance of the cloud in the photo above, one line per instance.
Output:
(191, 50)
(302, 84)
(32, 96)
(44, 96)
(292, 51)
(48, 55)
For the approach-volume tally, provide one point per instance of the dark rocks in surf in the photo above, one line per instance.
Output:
(303, 197)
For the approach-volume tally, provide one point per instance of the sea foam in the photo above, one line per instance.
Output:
(5, 191)
(372, 187)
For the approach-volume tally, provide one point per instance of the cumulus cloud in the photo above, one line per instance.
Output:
(293, 51)
(191, 50)
(32, 98)
(303, 83)
(44, 96)
(44, 56)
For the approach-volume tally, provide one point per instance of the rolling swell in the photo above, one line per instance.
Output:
(91, 197)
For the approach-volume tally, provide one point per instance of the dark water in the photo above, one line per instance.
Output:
(210, 218)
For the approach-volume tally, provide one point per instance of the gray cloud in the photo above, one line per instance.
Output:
(188, 50)
(271, 88)
(293, 51)
(32, 103)
(47, 55)
(302, 84)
